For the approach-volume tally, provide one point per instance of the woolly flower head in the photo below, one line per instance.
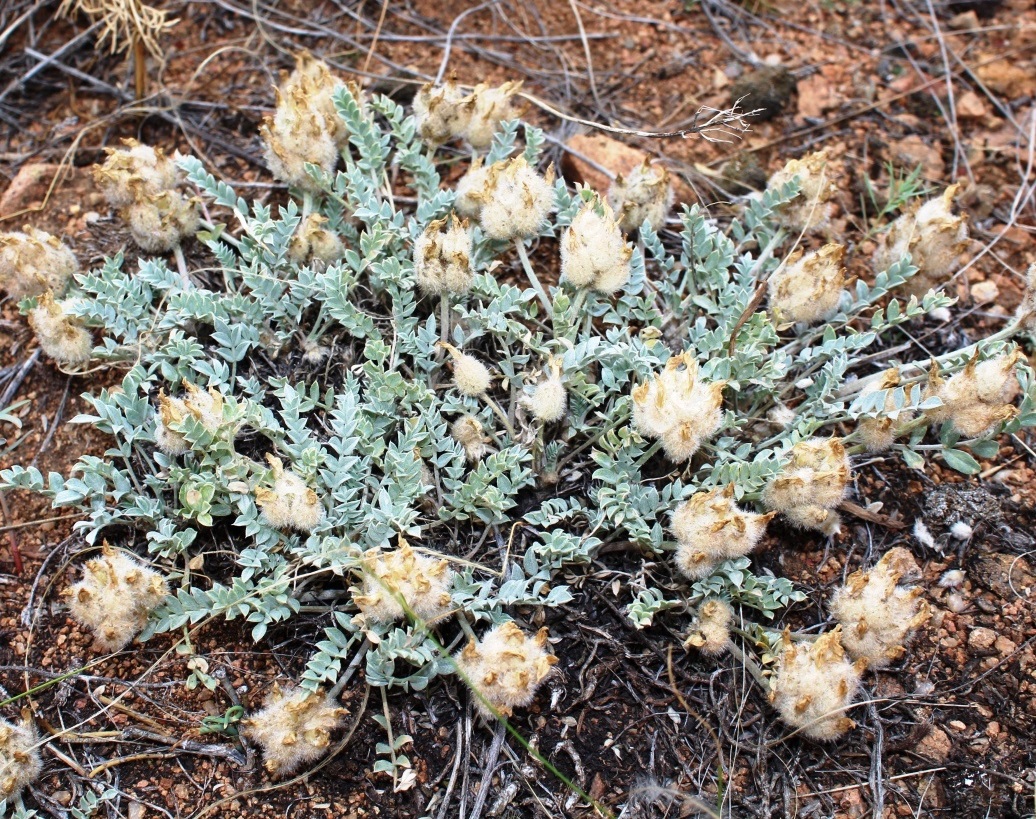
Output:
(32, 262)
(206, 407)
(548, 400)
(60, 334)
(978, 398)
(678, 407)
(812, 482)
(470, 376)
(471, 189)
(422, 582)
(505, 668)
(878, 434)
(811, 207)
(710, 528)
(115, 597)
(136, 171)
(290, 504)
(814, 686)
(933, 236)
(469, 433)
(808, 287)
(442, 257)
(593, 251)
(315, 244)
(294, 727)
(710, 633)
(877, 614)
(160, 222)
(488, 106)
(513, 201)
(643, 195)
(313, 82)
(441, 112)
(20, 761)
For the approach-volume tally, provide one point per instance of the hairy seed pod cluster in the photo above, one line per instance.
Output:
(315, 244)
(509, 199)
(710, 633)
(978, 398)
(59, 333)
(401, 581)
(815, 684)
(812, 207)
(811, 484)
(878, 434)
(470, 376)
(33, 262)
(290, 504)
(548, 401)
(678, 408)
(594, 253)
(645, 194)
(444, 112)
(442, 258)
(115, 597)
(710, 528)
(20, 761)
(294, 727)
(505, 668)
(808, 287)
(206, 406)
(877, 612)
(933, 235)
(470, 434)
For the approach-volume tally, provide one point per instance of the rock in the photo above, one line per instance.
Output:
(1007, 576)
(29, 187)
(981, 638)
(816, 95)
(951, 503)
(965, 21)
(985, 292)
(743, 174)
(1005, 646)
(1008, 78)
(912, 151)
(766, 89)
(971, 106)
(936, 746)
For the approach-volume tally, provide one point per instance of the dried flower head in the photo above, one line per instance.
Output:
(315, 244)
(505, 668)
(20, 761)
(710, 527)
(933, 236)
(811, 208)
(593, 251)
(548, 400)
(878, 434)
(488, 106)
(294, 727)
(808, 287)
(710, 633)
(290, 504)
(515, 200)
(115, 597)
(442, 257)
(205, 406)
(313, 81)
(32, 262)
(812, 482)
(678, 407)
(814, 686)
(422, 582)
(160, 222)
(471, 189)
(978, 398)
(470, 376)
(469, 433)
(878, 615)
(441, 112)
(645, 194)
(59, 333)
(134, 172)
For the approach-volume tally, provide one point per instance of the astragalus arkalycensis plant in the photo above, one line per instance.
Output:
(588, 414)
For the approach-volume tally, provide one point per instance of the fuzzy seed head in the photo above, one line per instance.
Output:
(442, 257)
(711, 631)
(422, 582)
(877, 614)
(135, 172)
(710, 527)
(878, 434)
(470, 376)
(488, 106)
(812, 207)
(442, 113)
(978, 398)
(290, 504)
(644, 195)
(505, 668)
(294, 727)
(549, 400)
(207, 407)
(812, 482)
(315, 244)
(593, 251)
(933, 236)
(115, 597)
(471, 190)
(469, 433)
(808, 287)
(20, 761)
(515, 201)
(678, 408)
(160, 222)
(313, 82)
(59, 333)
(33, 261)
(815, 684)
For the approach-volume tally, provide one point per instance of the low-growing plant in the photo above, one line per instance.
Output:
(412, 438)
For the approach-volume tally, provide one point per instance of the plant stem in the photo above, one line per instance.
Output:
(499, 414)
(444, 317)
(537, 286)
